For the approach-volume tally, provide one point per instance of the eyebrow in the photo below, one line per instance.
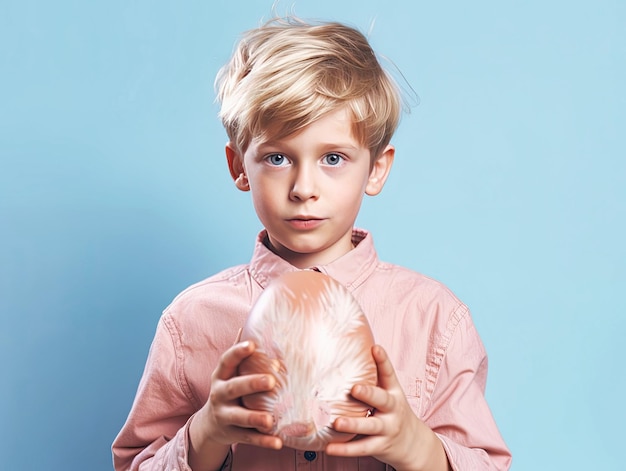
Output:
(277, 144)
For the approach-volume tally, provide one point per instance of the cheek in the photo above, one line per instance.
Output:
(348, 197)
(265, 201)
(352, 186)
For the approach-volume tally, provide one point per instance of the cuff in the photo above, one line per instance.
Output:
(182, 450)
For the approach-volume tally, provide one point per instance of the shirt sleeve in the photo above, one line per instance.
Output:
(458, 412)
(155, 435)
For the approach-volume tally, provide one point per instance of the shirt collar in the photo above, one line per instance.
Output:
(350, 270)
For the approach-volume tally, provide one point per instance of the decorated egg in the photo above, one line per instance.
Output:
(312, 335)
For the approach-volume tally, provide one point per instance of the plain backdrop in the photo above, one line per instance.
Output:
(509, 187)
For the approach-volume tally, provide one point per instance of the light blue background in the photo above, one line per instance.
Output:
(509, 186)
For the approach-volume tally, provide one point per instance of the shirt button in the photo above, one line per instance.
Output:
(310, 455)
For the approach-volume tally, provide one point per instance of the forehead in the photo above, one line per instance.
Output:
(335, 126)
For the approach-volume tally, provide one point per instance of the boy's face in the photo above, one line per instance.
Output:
(307, 188)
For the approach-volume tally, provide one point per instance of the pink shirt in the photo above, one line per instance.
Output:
(427, 332)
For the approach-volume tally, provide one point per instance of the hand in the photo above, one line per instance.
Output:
(223, 421)
(393, 434)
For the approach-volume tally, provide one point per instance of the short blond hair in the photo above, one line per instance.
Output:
(288, 73)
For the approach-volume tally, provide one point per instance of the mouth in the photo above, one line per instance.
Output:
(305, 222)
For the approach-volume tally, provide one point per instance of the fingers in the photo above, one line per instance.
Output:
(224, 419)
(260, 439)
(242, 417)
(379, 435)
(229, 419)
(370, 438)
(228, 385)
(386, 374)
(381, 397)
(239, 425)
(360, 447)
(234, 388)
(359, 426)
(230, 360)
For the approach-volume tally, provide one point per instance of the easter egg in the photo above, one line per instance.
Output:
(312, 335)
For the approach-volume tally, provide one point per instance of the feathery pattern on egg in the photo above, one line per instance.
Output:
(312, 335)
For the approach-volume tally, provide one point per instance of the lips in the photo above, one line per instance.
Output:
(305, 222)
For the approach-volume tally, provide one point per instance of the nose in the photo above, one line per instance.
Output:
(305, 185)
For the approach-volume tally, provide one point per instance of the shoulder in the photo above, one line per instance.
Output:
(197, 326)
(406, 283)
(422, 304)
(225, 279)
(419, 302)
(224, 293)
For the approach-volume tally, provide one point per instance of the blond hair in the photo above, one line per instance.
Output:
(288, 73)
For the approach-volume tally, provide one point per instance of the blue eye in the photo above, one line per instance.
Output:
(333, 159)
(276, 159)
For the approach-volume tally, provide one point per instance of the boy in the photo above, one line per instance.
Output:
(310, 113)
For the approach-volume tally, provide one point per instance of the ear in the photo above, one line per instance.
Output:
(380, 171)
(236, 168)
